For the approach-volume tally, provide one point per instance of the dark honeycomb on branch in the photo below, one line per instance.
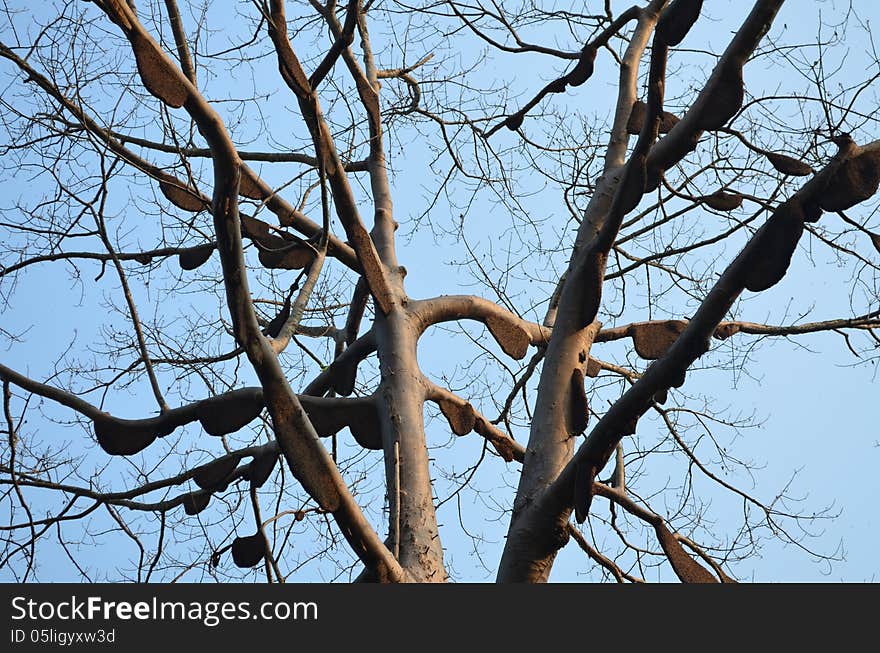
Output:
(187, 199)
(213, 475)
(789, 165)
(677, 20)
(460, 415)
(248, 551)
(194, 257)
(511, 337)
(222, 415)
(158, 74)
(653, 339)
(855, 181)
(774, 247)
(721, 201)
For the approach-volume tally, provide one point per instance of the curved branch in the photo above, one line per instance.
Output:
(513, 333)
(685, 567)
(769, 245)
(578, 75)
(602, 560)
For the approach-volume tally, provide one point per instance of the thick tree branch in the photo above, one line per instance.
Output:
(529, 555)
(512, 333)
(464, 418)
(774, 244)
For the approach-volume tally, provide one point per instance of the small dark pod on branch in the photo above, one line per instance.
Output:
(514, 121)
(460, 415)
(636, 118)
(230, 412)
(195, 502)
(183, 198)
(193, 257)
(677, 20)
(144, 259)
(771, 254)
(578, 408)
(513, 339)
(157, 73)
(583, 70)
(248, 551)
(287, 256)
(855, 181)
(667, 122)
(724, 99)
(789, 165)
(212, 475)
(260, 469)
(273, 329)
(653, 339)
(721, 201)
(724, 331)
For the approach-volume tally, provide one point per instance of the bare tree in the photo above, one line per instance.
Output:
(212, 194)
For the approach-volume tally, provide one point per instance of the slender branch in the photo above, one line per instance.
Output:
(344, 201)
(581, 72)
(728, 328)
(183, 55)
(607, 563)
